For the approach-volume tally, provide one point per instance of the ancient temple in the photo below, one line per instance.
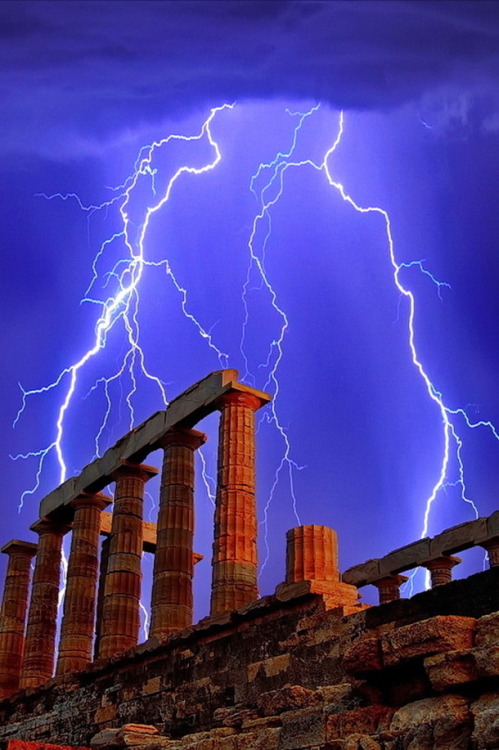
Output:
(308, 668)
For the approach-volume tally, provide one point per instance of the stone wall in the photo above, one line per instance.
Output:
(291, 675)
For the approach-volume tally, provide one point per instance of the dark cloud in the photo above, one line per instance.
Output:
(86, 67)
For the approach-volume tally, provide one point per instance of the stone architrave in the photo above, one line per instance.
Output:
(78, 623)
(441, 569)
(39, 648)
(13, 613)
(171, 600)
(389, 587)
(234, 581)
(119, 627)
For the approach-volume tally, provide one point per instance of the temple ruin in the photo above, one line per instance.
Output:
(307, 668)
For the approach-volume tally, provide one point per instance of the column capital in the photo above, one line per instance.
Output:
(443, 565)
(186, 438)
(138, 471)
(389, 587)
(492, 548)
(249, 397)
(47, 525)
(89, 500)
(16, 545)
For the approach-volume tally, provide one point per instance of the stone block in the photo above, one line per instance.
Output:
(151, 686)
(105, 713)
(270, 667)
(354, 742)
(367, 720)
(288, 698)
(493, 524)
(233, 717)
(487, 661)
(487, 630)
(427, 637)
(364, 655)
(302, 728)
(450, 669)
(266, 739)
(459, 537)
(359, 575)
(127, 736)
(405, 558)
(434, 723)
(485, 712)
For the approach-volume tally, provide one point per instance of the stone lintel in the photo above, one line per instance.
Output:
(493, 524)
(405, 558)
(460, 537)
(17, 545)
(361, 575)
(185, 411)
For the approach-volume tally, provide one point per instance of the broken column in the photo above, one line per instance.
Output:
(389, 587)
(13, 613)
(312, 567)
(171, 601)
(119, 627)
(234, 581)
(78, 623)
(39, 648)
(441, 569)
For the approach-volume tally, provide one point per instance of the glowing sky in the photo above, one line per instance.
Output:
(86, 84)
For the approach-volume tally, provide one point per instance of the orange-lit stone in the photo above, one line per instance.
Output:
(13, 613)
(234, 581)
(120, 619)
(389, 587)
(171, 601)
(78, 623)
(38, 660)
(311, 554)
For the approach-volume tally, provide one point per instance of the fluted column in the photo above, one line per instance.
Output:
(13, 613)
(441, 569)
(38, 661)
(104, 559)
(311, 554)
(121, 602)
(234, 581)
(78, 623)
(171, 601)
(389, 587)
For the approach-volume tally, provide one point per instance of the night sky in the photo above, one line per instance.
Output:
(84, 86)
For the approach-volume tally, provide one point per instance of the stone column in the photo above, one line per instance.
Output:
(234, 580)
(441, 569)
(492, 548)
(121, 603)
(78, 623)
(13, 613)
(38, 661)
(104, 559)
(311, 554)
(171, 600)
(389, 587)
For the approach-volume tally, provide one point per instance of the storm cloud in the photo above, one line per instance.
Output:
(92, 68)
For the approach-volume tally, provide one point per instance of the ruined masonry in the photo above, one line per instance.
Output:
(307, 668)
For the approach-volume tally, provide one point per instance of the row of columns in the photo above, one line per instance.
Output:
(28, 661)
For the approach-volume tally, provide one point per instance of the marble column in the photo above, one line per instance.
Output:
(119, 627)
(171, 601)
(389, 587)
(234, 581)
(13, 613)
(311, 554)
(441, 569)
(78, 623)
(39, 648)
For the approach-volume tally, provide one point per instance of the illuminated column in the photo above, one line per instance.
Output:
(77, 629)
(13, 613)
(234, 548)
(441, 569)
(311, 554)
(492, 547)
(171, 601)
(38, 661)
(121, 602)
(389, 587)
(104, 559)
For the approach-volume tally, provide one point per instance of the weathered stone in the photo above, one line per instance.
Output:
(13, 613)
(487, 630)
(171, 600)
(405, 558)
(267, 739)
(364, 655)
(485, 711)
(233, 717)
(311, 554)
(359, 575)
(302, 728)
(450, 669)
(389, 587)
(234, 581)
(128, 736)
(435, 723)
(367, 720)
(288, 698)
(487, 661)
(426, 638)
(441, 569)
